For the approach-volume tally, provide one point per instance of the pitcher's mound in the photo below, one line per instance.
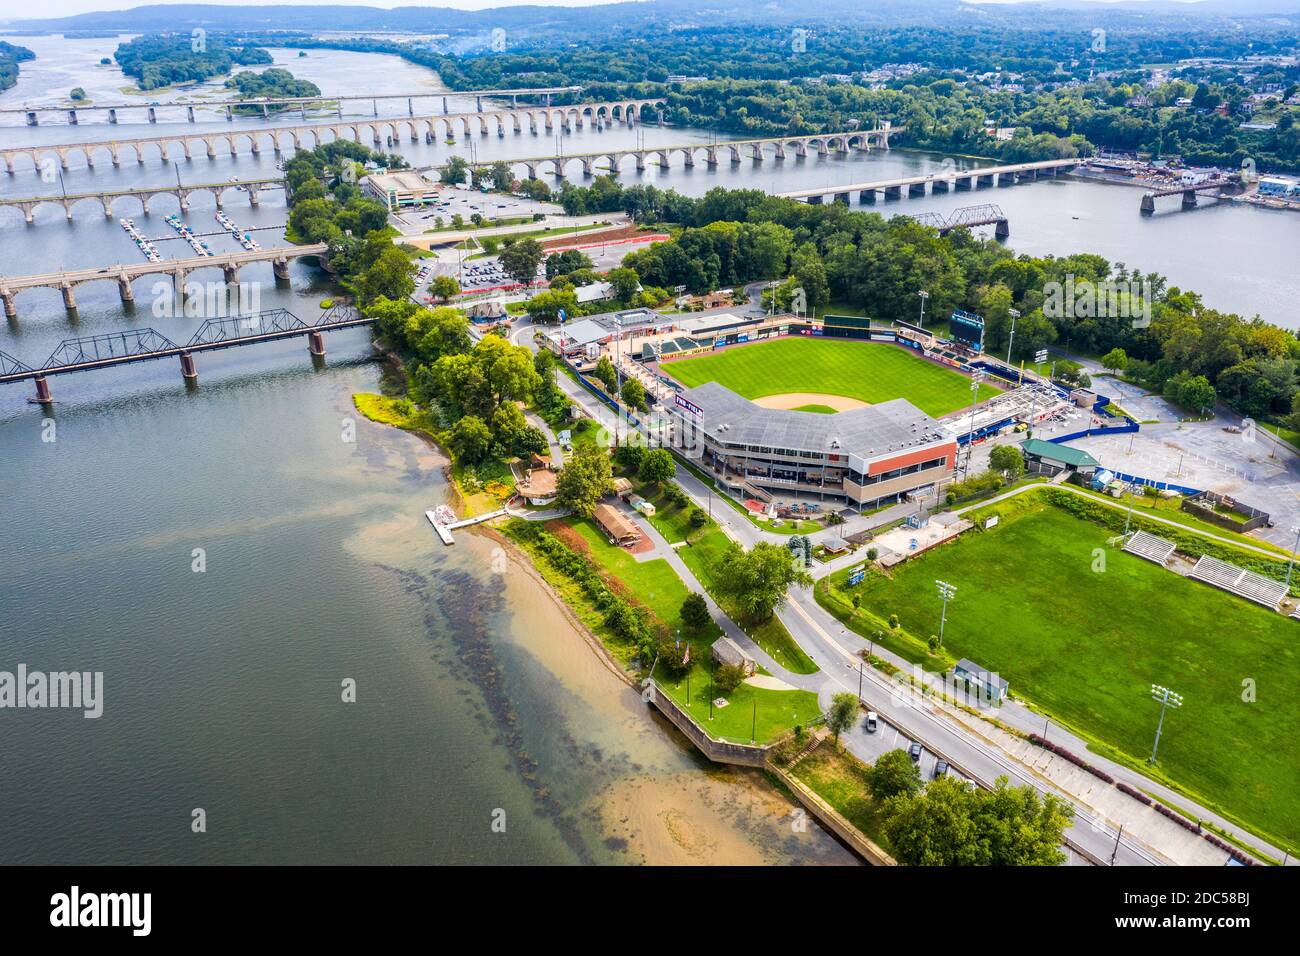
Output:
(791, 400)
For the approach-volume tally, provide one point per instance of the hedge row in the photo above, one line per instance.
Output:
(625, 619)
(1077, 761)
(1138, 795)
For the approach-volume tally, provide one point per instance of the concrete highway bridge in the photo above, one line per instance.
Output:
(277, 103)
(90, 352)
(938, 182)
(821, 143)
(229, 263)
(380, 132)
(1218, 185)
(106, 198)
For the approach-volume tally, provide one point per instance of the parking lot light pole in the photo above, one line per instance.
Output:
(1167, 698)
(946, 591)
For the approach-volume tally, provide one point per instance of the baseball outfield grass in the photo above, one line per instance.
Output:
(1083, 630)
(871, 372)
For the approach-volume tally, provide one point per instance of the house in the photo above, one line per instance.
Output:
(989, 685)
(622, 488)
(617, 527)
(726, 651)
(539, 485)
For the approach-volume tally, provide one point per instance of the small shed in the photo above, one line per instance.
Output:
(727, 651)
(1049, 458)
(622, 488)
(990, 685)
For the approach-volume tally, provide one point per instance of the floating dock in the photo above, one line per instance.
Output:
(444, 528)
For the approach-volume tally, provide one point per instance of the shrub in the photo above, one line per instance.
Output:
(698, 519)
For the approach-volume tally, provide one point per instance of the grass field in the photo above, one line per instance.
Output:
(871, 372)
(1085, 646)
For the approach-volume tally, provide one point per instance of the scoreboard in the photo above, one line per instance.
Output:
(967, 330)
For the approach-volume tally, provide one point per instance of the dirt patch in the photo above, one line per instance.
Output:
(790, 400)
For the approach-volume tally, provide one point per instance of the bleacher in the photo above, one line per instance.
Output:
(1150, 547)
(1239, 581)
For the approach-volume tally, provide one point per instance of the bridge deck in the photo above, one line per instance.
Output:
(931, 177)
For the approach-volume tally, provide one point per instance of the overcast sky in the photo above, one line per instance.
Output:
(10, 9)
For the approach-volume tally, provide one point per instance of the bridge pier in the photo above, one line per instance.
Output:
(254, 198)
(964, 184)
(1189, 199)
(67, 210)
(11, 307)
(1001, 229)
(190, 112)
(188, 370)
(125, 290)
(231, 273)
(72, 117)
(28, 214)
(939, 186)
(153, 115)
(445, 111)
(1148, 204)
(230, 114)
(43, 395)
(916, 189)
(815, 200)
(982, 181)
(893, 192)
(842, 198)
(867, 197)
(108, 206)
(280, 268)
(69, 299)
(112, 116)
(316, 343)
(32, 118)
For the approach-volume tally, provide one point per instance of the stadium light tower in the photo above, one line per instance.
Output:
(1291, 561)
(976, 377)
(1167, 699)
(924, 295)
(946, 591)
(1015, 314)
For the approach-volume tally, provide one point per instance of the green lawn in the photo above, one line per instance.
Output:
(871, 372)
(840, 779)
(1085, 646)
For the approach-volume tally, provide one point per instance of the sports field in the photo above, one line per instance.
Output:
(871, 372)
(1086, 646)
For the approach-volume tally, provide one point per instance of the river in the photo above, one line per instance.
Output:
(223, 687)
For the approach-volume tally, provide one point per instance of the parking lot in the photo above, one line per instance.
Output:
(466, 203)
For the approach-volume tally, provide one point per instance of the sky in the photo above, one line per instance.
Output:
(63, 8)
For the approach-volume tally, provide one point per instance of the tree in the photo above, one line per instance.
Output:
(1009, 459)
(841, 715)
(501, 176)
(562, 263)
(585, 479)
(444, 287)
(894, 774)
(389, 276)
(624, 282)
(634, 395)
(606, 374)
(546, 306)
(453, 174)
(629, 455)
(1116, 360)
(77, 95)
(520, 260)
(695, 612)
(727, 677)
(657, 466)
(756, 580)
(952, 823)
(470, 440)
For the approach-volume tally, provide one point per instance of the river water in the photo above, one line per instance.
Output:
(474, 694)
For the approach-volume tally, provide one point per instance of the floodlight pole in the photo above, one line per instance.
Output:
(1291, 561)
(976, 377)
(946, 591)
(1166, 697)
(924, 295)
(1015, 314)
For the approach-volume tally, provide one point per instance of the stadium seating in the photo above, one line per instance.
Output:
(1247, 584)
(1150, 547)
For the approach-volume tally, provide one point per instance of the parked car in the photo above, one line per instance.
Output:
(914, 752)
(871, 722)
(940, 769)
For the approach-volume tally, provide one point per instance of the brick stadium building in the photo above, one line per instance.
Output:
(861, 458)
